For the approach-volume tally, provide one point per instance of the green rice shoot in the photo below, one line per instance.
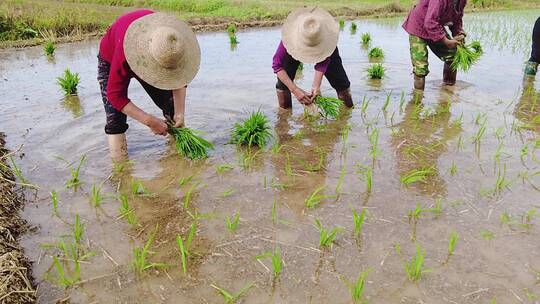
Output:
(376, 53)
(328, 106)
(254, 131)
(231, 29)
(277, 262)
(466, 56)
(228, 296)
(356, 288)
(366, 39)
(376, 71)
(49, 48)
(341, 24)
(69, 82)
(189, 144)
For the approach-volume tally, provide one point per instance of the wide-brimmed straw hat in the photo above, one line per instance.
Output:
(310, 34)
(162, 50)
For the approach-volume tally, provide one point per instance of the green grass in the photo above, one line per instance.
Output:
(328, 106)
(49, 48)
(189, 144)
(366, 39)
(253, 131)
(228, 296)
(356, 288)
(141, 254)
(376, 71)
(376, 53)
(69, 82)
(466, 56)
(277, 261)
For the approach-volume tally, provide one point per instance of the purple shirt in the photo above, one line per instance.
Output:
(281, 54)
(427, 18)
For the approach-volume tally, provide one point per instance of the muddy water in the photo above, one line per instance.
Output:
(494, 258)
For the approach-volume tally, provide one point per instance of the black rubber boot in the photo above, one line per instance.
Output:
(449, 75)
(284, 99)
(346, 97)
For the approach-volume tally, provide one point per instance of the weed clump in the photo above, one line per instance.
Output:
(376, 71)
(69, 82)
(466, 56)
(328, 106)
(376, 53)
(254, 131)
(189, 144)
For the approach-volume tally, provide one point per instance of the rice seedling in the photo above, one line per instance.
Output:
(341, 24)
(126, 211)
(69, 82)
(417, 175)
(140, 256)
(277, 262)
(487, 235)
(493, 301)
(224, 168)
(452, 243)
(367, 174)
(74, 181)
(358, 220)
(415, 267)
(276, 148)
(274, 211)
(480, 132)
(189, 144)
(233, 40)
(453, 169)
(185, 180)
(231, 29)
(54, 198)
(505, 218)
(466, 56)
(188, 195)
(366, 39)
(376, 53)
(387, 102)
(232, 222)
(530, 296)
(137, 188)
(315, 199)
(524, 152)
(365, 104)
(49, 48)
(339, 184)
(63, 277)
(354, 27)
(326, 235)
(328, 106)
(228, 296)
(376, 71)
(96, 198)
(374, 141)
(78, 230)
(254, 131)
(356, 288)
(401, 101)
(17, 171)
(227, 193)
(184, 246)
(501, 183)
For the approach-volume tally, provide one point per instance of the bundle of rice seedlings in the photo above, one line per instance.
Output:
(328, 106)
(254, 131)
(353, 27)
(231, 29)
(341, 24)
(466, 56)
(376, 71)
(366, 38)
(69, 82)
(376, 53)
(189, 144)
(49, 48)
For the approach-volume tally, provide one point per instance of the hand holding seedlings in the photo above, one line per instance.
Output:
(451, 43)
(302, 96)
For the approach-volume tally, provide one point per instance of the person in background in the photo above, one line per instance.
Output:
(163, 54)
(309, 35)
(531, 66)
(425, 25)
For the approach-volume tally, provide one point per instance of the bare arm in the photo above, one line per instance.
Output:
(316, 86)
(157, 126)
(300, 94)
(179, 97)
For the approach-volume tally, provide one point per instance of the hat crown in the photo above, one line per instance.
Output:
(166, 47)
(310, 30)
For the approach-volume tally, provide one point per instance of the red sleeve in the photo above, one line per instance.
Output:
(431, 22)
(119, 78)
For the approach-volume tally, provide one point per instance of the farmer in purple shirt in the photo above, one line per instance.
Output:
(531, 66)
(309, 35)
(425, 25)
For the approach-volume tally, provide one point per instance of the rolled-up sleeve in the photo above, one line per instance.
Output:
(323, 65)
(432, 23)
(119, 78)
(279, 56)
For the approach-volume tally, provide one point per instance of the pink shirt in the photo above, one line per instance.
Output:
(427, 18)
(111, 49)
(281, 54)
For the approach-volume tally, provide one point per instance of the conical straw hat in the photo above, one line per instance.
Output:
(162, 50)
(310, 34)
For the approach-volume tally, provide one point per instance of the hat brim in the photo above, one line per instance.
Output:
(295, 45)
(137, 51)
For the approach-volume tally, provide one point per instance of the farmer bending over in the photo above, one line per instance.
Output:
(532, 65)
(163, 54)
(309, 35)
(425, 25)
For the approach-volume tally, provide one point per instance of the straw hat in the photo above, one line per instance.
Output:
(162, 50)
(310, 34)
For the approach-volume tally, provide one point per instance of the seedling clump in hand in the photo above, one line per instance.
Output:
(189, 144)
(466, 56)
(328, 106)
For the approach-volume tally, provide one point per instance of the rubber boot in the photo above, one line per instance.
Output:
(284, 99)
(346, 97)
(531, 68)
(117, 147)
(449, 75)
(419, 83)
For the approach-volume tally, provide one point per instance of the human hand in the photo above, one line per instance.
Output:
(460, 38)
(158, 126)
(451, 43)
(302, 96)
(178, 120)
(314, 93)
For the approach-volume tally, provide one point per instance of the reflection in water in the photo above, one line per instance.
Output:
(72, 104)
(301, 164)
(422, 138)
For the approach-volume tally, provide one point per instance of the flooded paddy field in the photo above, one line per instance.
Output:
(473, 147)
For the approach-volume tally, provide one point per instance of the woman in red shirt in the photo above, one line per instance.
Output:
(163, 54)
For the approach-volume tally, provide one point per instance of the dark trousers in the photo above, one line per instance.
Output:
(535, 54)
(116, 122)
(335, 73)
